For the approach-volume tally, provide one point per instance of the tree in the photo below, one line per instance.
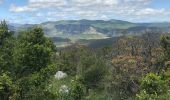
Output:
(153, 83)
(6, 86)
(6, 48)
(164, 60)
(94, 73)
(77, 90)
(153, 87)
(6, 61)
(165, 42)
(33, 64)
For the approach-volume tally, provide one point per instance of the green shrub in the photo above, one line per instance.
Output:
(77, 90)
(153, 83)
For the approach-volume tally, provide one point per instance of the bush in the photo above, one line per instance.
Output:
(153, 87)
(153, 83)
(144, 96)
(77, 90)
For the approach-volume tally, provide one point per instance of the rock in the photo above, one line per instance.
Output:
(60, 75)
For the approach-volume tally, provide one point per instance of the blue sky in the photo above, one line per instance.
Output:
(37, 11)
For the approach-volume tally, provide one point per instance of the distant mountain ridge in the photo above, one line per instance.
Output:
(94, 29)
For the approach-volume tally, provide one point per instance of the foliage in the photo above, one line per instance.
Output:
(33, 64)
(153, 87)
(84, 62)
(77, 90)
(6, 86)
(28, 61)
(153, 83)
(165, 43)
(8, 90)
(94, 74)
(144, 96)
(6, 48)
(32, 52)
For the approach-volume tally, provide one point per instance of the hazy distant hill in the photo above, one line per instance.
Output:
(75, 30)
(76, 27)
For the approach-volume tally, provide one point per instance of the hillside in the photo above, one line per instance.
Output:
(75, 30)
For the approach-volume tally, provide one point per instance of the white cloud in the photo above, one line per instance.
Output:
(34, 5)
(150, 12)
(65, 4)
(14, 8)
(89, 9)
(104, 17)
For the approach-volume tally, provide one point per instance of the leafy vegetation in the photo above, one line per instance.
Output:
(130, 68)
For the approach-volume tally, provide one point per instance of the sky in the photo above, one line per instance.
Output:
(38, 11)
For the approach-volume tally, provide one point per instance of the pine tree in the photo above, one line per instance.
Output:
(6, 62)
(6, 47)
(33, 63)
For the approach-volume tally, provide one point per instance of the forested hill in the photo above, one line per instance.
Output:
(132, 67)
(95, 28)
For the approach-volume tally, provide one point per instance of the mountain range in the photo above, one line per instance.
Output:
(69, 31)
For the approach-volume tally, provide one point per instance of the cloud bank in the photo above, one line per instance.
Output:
(89, 9)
